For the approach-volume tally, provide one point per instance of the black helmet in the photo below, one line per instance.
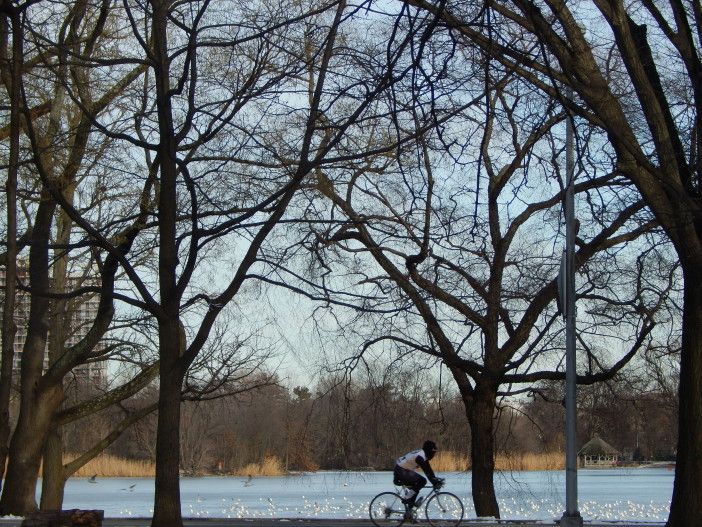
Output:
(429, 448)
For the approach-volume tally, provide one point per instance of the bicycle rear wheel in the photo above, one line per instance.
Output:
(444, 510)
(387, 509)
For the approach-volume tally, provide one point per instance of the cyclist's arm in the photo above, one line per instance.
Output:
(426, 467)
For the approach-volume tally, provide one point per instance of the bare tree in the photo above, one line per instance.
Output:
(226, 142)
(477, 268)
(59, 154)
(10, 69)
(637, 78)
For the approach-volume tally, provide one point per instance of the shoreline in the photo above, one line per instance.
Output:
(107, 466)
(290, 473)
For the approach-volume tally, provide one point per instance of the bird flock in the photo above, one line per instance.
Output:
(344, 508)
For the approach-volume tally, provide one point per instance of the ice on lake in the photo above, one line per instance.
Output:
(639, 494)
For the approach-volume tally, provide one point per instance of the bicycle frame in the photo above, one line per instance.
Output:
(434, 490)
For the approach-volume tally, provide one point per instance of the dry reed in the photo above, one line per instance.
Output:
(530, 461)
(270, 466)
(446, 461)
(111, 466)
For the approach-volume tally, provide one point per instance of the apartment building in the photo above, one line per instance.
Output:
(83, 312)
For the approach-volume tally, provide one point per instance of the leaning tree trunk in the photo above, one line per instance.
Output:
(481, 415)
(26, 447)
(685, 508)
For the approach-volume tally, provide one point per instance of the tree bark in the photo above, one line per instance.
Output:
(9, 328)
(53, 480)
(26, 447)
(37, 402)
(167, 511)
(481, 414)
(479, 404)
(53, 476)
(685, 507)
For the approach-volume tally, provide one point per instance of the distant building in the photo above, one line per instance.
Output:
(598, 453)
(83, 313)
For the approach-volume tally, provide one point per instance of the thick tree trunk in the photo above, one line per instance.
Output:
(479, 403)
(37, 402)
(26, 447)
(53, 474)
(481, 418)
(167, 511)
(171, 341)
(685, 507)
(53, 480)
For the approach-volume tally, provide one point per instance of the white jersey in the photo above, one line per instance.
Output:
(409, 460)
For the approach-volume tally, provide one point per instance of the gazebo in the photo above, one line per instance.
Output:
(598, 453)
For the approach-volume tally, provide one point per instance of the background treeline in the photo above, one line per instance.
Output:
(359, 424)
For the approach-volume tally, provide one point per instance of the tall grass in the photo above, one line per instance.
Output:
(531, 461)
(270, 466)
(454, 462)
(111, 466)
(446, 461)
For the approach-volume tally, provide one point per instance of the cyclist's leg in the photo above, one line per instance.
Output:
(418, 483)
(410, 479)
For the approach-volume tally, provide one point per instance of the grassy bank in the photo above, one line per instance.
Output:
(110, 466)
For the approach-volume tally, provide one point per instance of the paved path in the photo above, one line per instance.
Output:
(264, 522)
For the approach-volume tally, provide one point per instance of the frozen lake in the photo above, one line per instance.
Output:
(641, 494)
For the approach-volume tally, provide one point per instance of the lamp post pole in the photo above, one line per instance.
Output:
(571, 516)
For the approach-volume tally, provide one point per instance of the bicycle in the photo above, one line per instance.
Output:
(442, 509)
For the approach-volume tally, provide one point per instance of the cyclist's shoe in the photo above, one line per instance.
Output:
(419, 501)
(410, 517)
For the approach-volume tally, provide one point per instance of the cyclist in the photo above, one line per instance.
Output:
(406, 474)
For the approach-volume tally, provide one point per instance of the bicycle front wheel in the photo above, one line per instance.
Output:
(387, 509)
(444, 510)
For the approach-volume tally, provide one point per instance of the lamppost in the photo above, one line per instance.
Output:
(571, 517)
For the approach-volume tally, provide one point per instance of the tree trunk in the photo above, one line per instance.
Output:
(53, 479)
(171, 342)
(53, 474)
(167, 511)
(479, 403)
(37, 402)
(685, 507)
(480, 416)
(26, 447)
(9, 328)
